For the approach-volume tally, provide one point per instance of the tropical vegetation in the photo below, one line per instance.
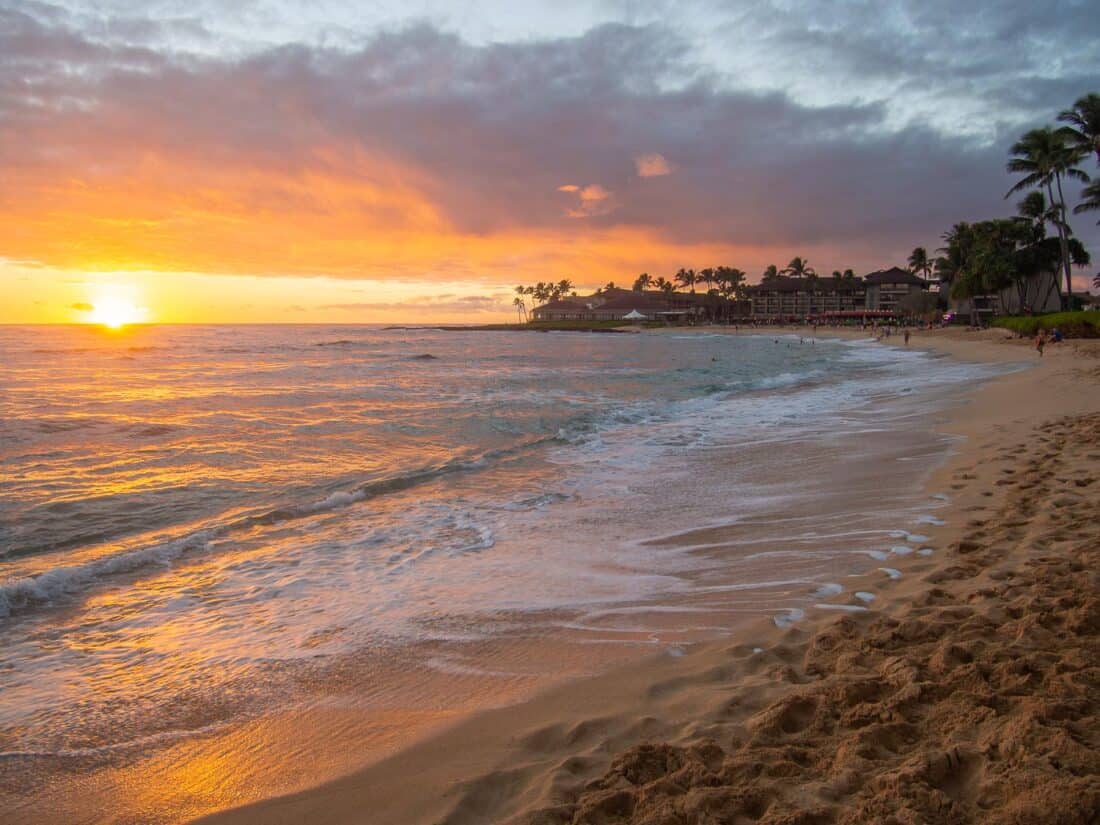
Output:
(989, 256)
(542, 292)
(1072, 324)
(799, 268)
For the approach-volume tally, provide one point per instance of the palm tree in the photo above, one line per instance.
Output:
(730, 284)
(770, 274)
(707, 277)
(642, 281)
(849, 275)
(1090, 199)
(799, 268)
(563, 288)
(1035, 213)
(1084, 124)
(954, 268)
(521, 309)
(735, 281)
(918, 262)
(1044, 156)
(1035, 253)
(956, 250)
(688, 278)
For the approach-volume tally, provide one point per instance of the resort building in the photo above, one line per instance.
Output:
(786, 298)
(887, 287)
(617, 304)
(873, 296)
(1034, 294)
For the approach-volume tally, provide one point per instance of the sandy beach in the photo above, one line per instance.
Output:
(957, 685)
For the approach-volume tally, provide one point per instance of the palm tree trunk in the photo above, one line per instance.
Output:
(1063, 242)
(1053, 285)
(1062, 246)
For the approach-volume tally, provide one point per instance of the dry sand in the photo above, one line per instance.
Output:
(966, 691)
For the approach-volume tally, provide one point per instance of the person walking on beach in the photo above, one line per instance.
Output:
(1040, 342)
(906, 337)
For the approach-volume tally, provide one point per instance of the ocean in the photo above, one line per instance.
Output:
(323, 541)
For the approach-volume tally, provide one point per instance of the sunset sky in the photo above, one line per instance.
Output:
(331, 160)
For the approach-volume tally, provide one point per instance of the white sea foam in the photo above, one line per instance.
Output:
(929, 519)
(337, 499)
(892, 572)
(786, 619)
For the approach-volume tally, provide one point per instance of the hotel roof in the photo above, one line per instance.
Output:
(893, 275)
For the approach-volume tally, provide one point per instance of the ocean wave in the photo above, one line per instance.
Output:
(17, 595)
(31, 591)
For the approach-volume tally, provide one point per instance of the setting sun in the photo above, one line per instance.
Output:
(114, 307)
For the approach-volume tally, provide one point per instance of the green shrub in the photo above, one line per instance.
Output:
(1084, 324)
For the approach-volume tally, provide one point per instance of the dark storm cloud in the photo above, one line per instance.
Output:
(489, 134)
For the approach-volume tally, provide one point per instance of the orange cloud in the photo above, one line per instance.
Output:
(593, 199)
(652, 166)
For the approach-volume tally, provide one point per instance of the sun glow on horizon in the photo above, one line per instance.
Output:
(115, 308)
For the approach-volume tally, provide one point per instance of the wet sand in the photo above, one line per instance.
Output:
(955, 686)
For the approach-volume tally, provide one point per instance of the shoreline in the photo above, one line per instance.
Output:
(532, 762)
